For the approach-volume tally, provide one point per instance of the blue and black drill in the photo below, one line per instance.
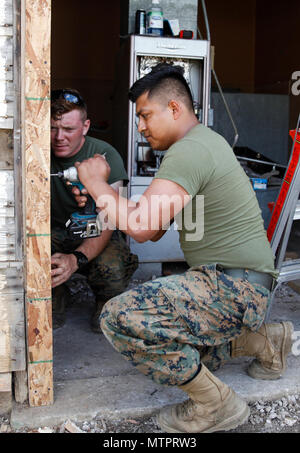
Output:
(84, 223)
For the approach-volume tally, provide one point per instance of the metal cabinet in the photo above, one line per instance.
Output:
(143, 53)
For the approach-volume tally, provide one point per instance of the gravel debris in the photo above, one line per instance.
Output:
(282, 415)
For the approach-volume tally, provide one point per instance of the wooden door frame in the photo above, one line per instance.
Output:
(32, 160)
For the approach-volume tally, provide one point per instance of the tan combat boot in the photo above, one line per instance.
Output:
(213, 406)
(269, 345)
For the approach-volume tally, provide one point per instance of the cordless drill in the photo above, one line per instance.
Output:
(85, 223)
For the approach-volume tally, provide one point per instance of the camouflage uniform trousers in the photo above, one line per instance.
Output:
(109, 273)
(168, 326)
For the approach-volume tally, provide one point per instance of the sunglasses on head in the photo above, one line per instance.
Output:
(68, 96)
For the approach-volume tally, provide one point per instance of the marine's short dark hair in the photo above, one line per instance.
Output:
(166, 81)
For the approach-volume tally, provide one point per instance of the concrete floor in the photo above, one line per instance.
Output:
(90, 378)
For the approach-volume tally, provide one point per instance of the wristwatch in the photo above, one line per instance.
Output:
(82, 260)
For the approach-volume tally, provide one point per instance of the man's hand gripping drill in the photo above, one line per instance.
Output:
(84, 223)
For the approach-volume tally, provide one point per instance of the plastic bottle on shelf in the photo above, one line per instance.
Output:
(155, 19)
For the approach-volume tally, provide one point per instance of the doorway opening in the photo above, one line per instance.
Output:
(84, 46)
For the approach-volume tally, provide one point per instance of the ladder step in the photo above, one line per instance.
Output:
(297, 211)
(290, 270)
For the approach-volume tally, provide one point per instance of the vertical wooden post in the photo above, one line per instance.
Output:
(36, 23)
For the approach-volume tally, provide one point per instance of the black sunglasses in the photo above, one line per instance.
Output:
(69, 96)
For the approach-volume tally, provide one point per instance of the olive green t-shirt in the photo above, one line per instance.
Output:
(203, 163)
(63, 203)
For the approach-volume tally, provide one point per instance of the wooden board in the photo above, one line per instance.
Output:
(7, 216)
(36, 146)
(12, 327)
(6, 13)
(20, 380)
(6, 62)
(17, 131)
(20, 386)
(7, 151)
(5, 382)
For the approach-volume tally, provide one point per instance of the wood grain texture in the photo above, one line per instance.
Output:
(7, 216)
(20, 386)
(12, 317)
(39, 330)
(12, 327)
(6, 53)
(40, 383)
(5, 382)
(36, 138)
(6, 149)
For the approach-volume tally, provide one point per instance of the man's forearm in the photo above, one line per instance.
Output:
(160, 203)
(92, 247)
(160, 233)
(64, 265)
(148, 219)
(118, 209)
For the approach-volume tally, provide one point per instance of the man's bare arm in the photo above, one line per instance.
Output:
(160, 233)
(141, 220)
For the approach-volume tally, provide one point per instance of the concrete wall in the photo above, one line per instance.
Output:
(262, 121)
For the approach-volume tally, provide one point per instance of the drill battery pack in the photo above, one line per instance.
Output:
(83, 226)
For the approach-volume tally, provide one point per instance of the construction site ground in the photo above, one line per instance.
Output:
(96, 390)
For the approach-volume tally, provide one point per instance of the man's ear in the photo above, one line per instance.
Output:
(86, 126)
(176, 109)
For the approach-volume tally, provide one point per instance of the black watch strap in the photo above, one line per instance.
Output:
(82, 260)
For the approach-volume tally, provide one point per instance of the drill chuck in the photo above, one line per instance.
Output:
(70, 174)
(85, 223)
